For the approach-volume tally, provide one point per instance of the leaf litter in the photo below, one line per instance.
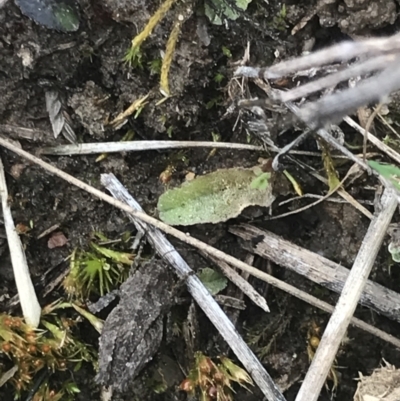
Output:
(215, 197)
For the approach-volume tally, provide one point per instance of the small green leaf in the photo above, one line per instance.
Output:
(261, 182)
(118, 257)
(226, 52)
(213, 198)
(214, 281)
(72, 388)
(387, 171)
(218, 78)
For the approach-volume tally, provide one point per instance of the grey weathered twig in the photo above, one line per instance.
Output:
(374, 140)
(29, 134)
(345, 307)
(316, 268)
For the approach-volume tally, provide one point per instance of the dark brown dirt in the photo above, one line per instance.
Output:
(90, 68)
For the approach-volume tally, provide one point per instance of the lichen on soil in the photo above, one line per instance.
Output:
(86, 68)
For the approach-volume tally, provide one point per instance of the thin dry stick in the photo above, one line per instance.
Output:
(374, 140)
(194, 242)
(129, 146)
(383, 120)
(344, 310)
(330, 193)
(200, 294)
(367, 127)
(346, 196)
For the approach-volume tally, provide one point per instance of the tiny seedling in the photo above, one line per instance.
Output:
(52, 346)
(219, 78)
(96, 271)
(214, 381)
(226, 52)
(279, 20)
(133, 55)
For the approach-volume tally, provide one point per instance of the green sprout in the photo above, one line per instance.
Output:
(209, 380)
(52, 346)
(99, 270)
(155, 66)
(219, 78)
(170, 131)
(67, 392)
(214, 102)
(134, 57)
(279, 21)
(261, 182)
(226, 52)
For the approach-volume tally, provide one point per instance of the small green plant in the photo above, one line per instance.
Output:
(211, 381)
(262, 181)
(170, 131)
(52, 346)
(46, 392)
(134, 57)
(99, 270)
(155, 66)
(279, 21)
(226, 52)
(214, 102)
(218, 78)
